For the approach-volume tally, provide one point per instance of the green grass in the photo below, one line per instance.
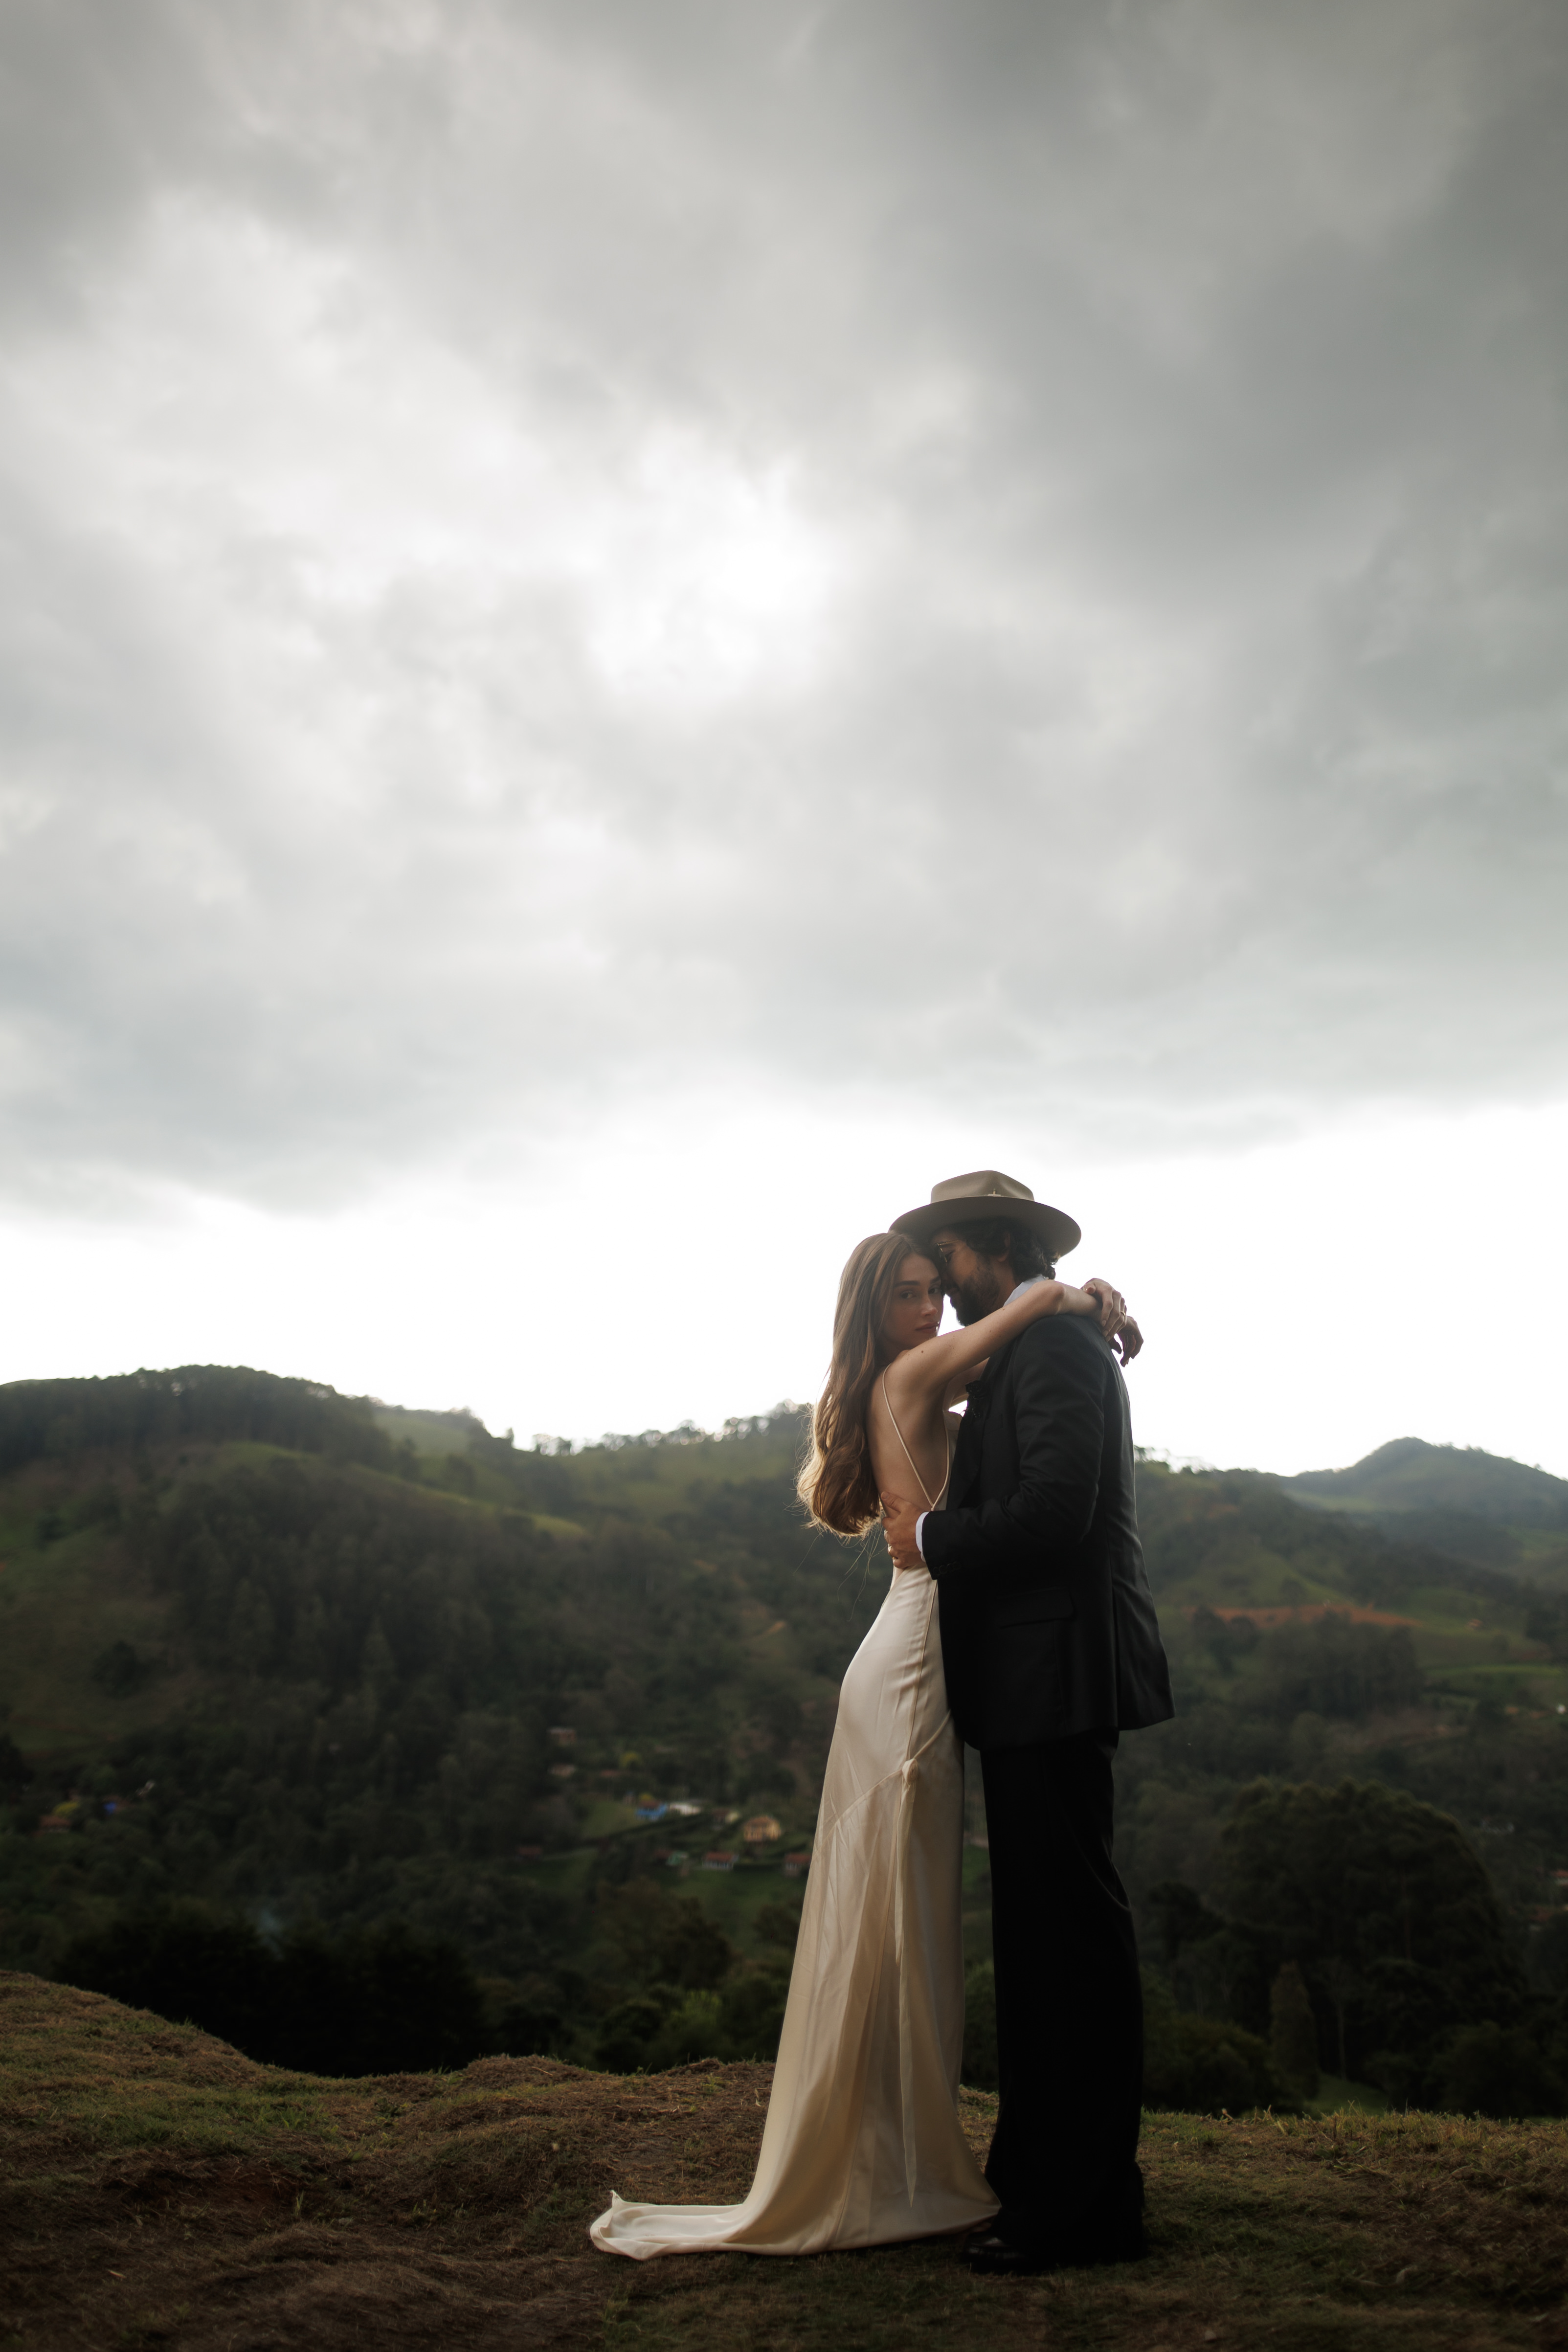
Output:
(606, 1818)
(61, 1607)
(1339, 2095)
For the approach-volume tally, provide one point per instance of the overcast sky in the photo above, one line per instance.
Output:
(629, 631)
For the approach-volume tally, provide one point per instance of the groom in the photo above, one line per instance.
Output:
(1051, 1649)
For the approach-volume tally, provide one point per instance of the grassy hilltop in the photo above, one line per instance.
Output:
(302, 1665)
(158, 2189)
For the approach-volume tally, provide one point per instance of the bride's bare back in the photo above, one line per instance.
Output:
(912, 1441)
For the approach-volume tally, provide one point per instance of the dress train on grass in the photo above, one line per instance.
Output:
(862, 2144)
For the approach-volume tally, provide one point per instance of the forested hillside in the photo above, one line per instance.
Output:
(303, 1694)
(1463, 1501)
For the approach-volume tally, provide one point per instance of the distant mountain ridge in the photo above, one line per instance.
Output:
(1459, 1500)
(1409, 1474)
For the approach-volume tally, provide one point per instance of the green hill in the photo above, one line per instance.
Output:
(1409, 1474)
(1474, 1505)
(259, 1651)
(328, 1667)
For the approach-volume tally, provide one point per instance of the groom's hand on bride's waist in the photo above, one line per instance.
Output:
(900, 1520)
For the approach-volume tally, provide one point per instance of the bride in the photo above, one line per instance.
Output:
(862, 2144)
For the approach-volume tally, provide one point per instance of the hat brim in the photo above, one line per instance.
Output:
(1053, 1226)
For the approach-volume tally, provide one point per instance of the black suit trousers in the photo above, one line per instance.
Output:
(1069, 2005)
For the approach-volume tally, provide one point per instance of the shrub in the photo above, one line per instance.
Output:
(694, 2030)
(751, 2012)
(524, 2020)
(118, 1671)
(632, 2029)
(183, 1964)
(379, 2000)
(1199, 2065)
(1494, 2070)
(667, 1939)
(670, 2025)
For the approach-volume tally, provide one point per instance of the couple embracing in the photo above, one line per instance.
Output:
(1019, 1620)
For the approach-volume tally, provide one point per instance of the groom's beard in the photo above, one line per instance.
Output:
(977, 1297)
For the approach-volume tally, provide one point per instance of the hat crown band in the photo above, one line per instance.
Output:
(984, 1184)
(985, 1196)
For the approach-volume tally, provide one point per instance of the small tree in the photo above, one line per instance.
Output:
(1293, 2032)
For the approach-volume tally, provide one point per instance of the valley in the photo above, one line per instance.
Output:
(324, 1668)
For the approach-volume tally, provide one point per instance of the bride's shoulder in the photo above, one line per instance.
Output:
(902, 1381)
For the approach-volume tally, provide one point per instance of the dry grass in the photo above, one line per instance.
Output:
(160, 2190)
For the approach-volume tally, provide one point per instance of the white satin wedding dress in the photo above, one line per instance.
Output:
(862, 2144)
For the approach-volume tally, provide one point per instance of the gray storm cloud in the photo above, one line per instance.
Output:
(550, 553)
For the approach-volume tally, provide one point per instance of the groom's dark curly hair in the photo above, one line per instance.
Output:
(999, 1237)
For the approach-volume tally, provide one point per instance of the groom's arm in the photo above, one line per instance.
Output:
(1059, 1415)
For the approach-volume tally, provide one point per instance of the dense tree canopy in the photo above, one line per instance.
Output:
(1383, 1905)
(206, 1403)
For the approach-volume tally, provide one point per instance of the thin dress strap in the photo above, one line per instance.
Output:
(929, 1504)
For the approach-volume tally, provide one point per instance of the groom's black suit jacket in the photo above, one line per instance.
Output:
(1048, 1622)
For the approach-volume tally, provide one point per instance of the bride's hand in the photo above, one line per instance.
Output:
(1112, 1305)
(1115, 1323)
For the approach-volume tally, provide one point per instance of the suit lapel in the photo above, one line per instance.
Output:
(970, 1436)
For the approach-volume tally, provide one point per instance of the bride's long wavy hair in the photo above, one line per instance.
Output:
(837, 1483)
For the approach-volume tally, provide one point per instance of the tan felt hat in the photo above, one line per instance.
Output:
(988, 1194)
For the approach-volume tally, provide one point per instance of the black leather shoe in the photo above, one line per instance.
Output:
(995, 2257)
(1127, 2246)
